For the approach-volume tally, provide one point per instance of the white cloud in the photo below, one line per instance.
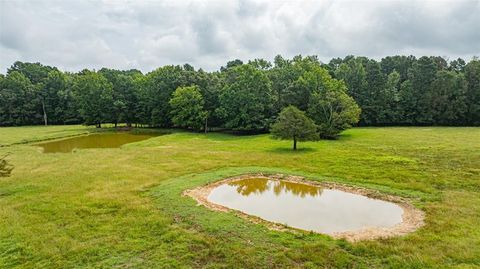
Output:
(147, 34)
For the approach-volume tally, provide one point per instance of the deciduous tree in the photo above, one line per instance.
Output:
(95, 97)
(293, 124)
(247, 100)
(472, 76)
(187, 108)
(331, 108)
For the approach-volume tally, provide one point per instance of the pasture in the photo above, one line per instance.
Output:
(123, 207)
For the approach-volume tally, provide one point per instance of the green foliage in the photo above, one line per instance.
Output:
(247, 100)
(210, 86)
(159, 86)
(18, 101)
(58, 96)
(35, 72)
(366, 83)
(325, 98)
(260, 64)
(374, 99)
(231, 64)
(421, 75)
(354, 75)
(457, 65)
(332, 109)
(397, 90)
(446, 98)
(95, 97)
(403, 90)
(293, 124)
(401, 64)
(390, 115)
(125, 98)
(472, 76)
(287, 81)
(187, 108)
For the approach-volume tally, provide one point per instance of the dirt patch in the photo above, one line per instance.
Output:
(412, 218)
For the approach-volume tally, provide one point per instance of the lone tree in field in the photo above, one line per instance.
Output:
(293, 124)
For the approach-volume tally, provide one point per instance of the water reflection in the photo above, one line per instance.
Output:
(306, 207)
(259, 185)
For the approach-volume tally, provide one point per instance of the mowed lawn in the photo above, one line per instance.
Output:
(104, 208)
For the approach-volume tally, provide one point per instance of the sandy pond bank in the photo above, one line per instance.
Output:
(412, 218)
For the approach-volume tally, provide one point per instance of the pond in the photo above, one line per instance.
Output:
(306, 207)
(105, 140)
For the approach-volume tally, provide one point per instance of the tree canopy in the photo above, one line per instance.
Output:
(95, 97)
(293, 124)
(187, 108)
(248, 96)
(247, 100)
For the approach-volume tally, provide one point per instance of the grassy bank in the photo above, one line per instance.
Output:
(123, 208)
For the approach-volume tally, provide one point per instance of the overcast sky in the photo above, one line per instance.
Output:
(73, 35)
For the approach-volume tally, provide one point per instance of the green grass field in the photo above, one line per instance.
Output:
(105, 208)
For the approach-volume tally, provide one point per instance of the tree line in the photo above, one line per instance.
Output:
(397, 90)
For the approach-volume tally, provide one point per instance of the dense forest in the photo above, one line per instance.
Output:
(397, 90)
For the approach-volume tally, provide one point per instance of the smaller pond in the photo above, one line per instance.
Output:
(306, 207)
(105, 140)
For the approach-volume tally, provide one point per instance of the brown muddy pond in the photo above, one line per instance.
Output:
(107, 140)
(306, 207)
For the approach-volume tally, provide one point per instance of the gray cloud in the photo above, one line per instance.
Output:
(147, 34)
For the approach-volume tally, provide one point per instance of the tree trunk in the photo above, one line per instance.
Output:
(206, 125)
(44, 113)
(294, 143)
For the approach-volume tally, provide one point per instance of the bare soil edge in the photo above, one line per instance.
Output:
(413, 218)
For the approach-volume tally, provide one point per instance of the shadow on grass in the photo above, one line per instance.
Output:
(285, 150)
(343, 137)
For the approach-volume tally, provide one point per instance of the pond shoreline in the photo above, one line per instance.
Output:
(412, 217)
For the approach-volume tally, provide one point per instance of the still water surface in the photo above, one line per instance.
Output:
(110, 140)
(306, 207)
